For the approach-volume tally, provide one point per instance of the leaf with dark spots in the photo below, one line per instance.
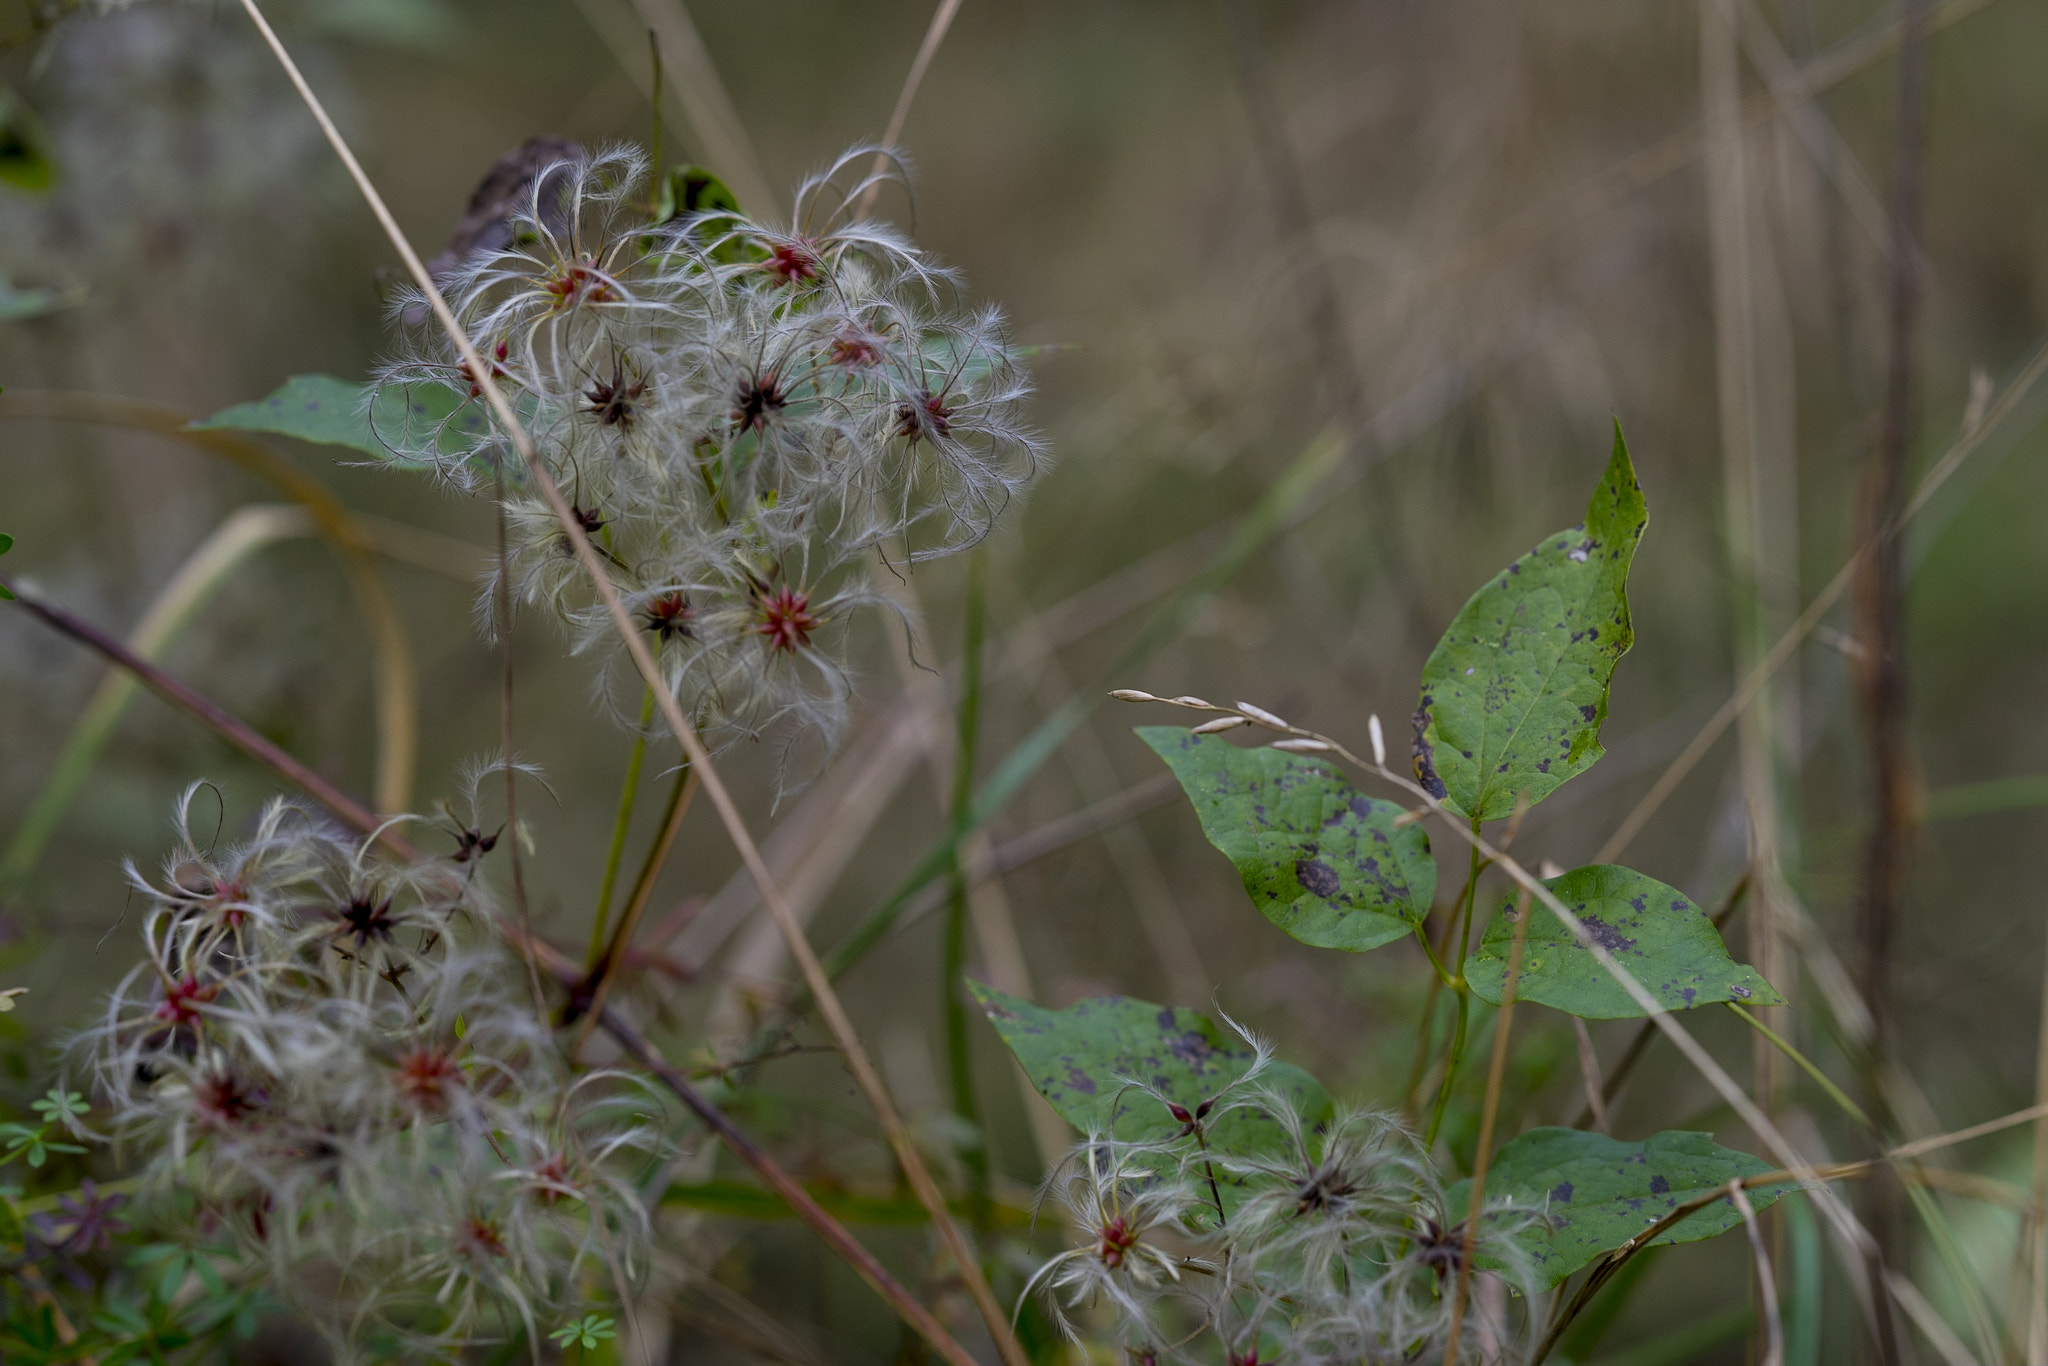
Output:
(1596, 1192)
(1080, 1058)
(1522, 674)
(1666, 942)
(1320, 859)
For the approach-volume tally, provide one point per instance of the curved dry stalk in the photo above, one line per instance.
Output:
(858, 1062)
(394, 678)
(934, 34)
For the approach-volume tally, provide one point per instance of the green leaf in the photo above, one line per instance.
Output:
(1321, 860)
(1663, 939)
(24, 151)
(332, 412)
(1080, 1059)
(1514, 693)
(1596, 1192)
(688, 191)
(7, 544)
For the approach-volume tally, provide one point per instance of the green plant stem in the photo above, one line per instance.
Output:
(959, 1054)
(1460, 987)
(628, 793)
(1806, 1065)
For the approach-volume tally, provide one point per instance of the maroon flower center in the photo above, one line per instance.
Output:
(182, 999)
(426, 1077)
(669, 616)
(793, 262)
(786, 618)
(1118, 1238)
(928, 417)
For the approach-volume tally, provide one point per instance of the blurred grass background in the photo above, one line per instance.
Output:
(1478, 232)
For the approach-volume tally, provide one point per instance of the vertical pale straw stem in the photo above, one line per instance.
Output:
(857, 1060)
(1767, 1285)
(2034, 1224)
(934, 34)
(1496, 1074)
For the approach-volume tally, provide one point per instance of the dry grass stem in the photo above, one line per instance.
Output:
(863, 1069)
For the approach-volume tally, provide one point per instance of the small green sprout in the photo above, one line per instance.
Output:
(586, 1333)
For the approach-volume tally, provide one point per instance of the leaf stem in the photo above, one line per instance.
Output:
(629, 791)
(1462, 929)
(1806, 1065)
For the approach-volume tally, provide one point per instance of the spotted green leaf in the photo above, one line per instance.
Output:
(1663, 939)
(1082, 1058)
(1321, 860)
(1514, 693)
(1593, 1193)
(335, 412)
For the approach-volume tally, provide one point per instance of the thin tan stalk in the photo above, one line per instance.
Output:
(1589, 1073)
(934, 34)
(829, 1005)
(2034, 1225)
(1767, 1285)
(1482, 1156)
(1965, 445)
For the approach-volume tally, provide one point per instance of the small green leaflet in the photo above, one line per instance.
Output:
(1514, 693)
(7, 544)
(332, 412)
(1321, 860)
(1663, 939)
(688, 191)
(1080, 1058)
(1594, 1193)
(24, 150)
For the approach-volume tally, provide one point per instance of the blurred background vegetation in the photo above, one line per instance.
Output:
(1470, 234)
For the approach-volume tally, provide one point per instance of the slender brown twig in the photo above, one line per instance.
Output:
(1881, 618)
(224, 723)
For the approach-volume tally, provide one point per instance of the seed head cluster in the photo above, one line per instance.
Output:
(1328, 1241)
(743, 416)
(333, 1059)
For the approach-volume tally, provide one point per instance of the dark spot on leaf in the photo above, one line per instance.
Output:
(1318, 877)
(1077, 1080)
(1588, 712)
(1606, 936)
(1659, 1186)
(1425, 769)
(1561, 1193)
